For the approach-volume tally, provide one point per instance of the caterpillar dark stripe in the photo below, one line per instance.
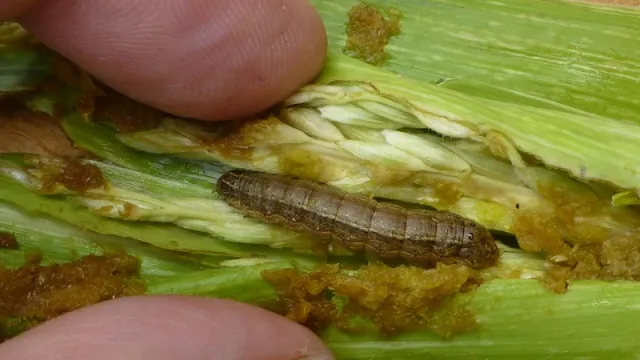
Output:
(359, 223)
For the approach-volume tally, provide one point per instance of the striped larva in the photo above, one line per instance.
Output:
(359, 223)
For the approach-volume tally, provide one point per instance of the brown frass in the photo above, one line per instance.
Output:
(73, 175)
(8, 241)
(126, 114)
(612, 260)
(377, 298)
(369, 31)
(35, 293)
(359, 223)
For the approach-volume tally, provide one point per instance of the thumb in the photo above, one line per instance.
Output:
(11, 9)
(167, 328)
(210, 60)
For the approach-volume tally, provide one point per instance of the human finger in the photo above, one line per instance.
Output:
(167, 328)
(211, 60)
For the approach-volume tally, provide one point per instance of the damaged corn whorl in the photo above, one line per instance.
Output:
(361, 104)
(406, 164)
(204, 214)
(421, 145)
(382, 131)
(379, 129)
(357, 118)
(578, 143)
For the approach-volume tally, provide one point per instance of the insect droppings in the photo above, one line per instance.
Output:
(359, 223)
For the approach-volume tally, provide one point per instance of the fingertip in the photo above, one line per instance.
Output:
(210, 60)
(12, 9)
(167, 327)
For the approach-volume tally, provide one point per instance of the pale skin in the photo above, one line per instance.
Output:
(211, 60)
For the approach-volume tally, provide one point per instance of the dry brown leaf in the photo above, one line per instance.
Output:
(35, 134)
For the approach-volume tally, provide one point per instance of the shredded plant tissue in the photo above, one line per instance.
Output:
(73, 175)
(35, 293)
(594, 254)
(393, 300)
(369, 32)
